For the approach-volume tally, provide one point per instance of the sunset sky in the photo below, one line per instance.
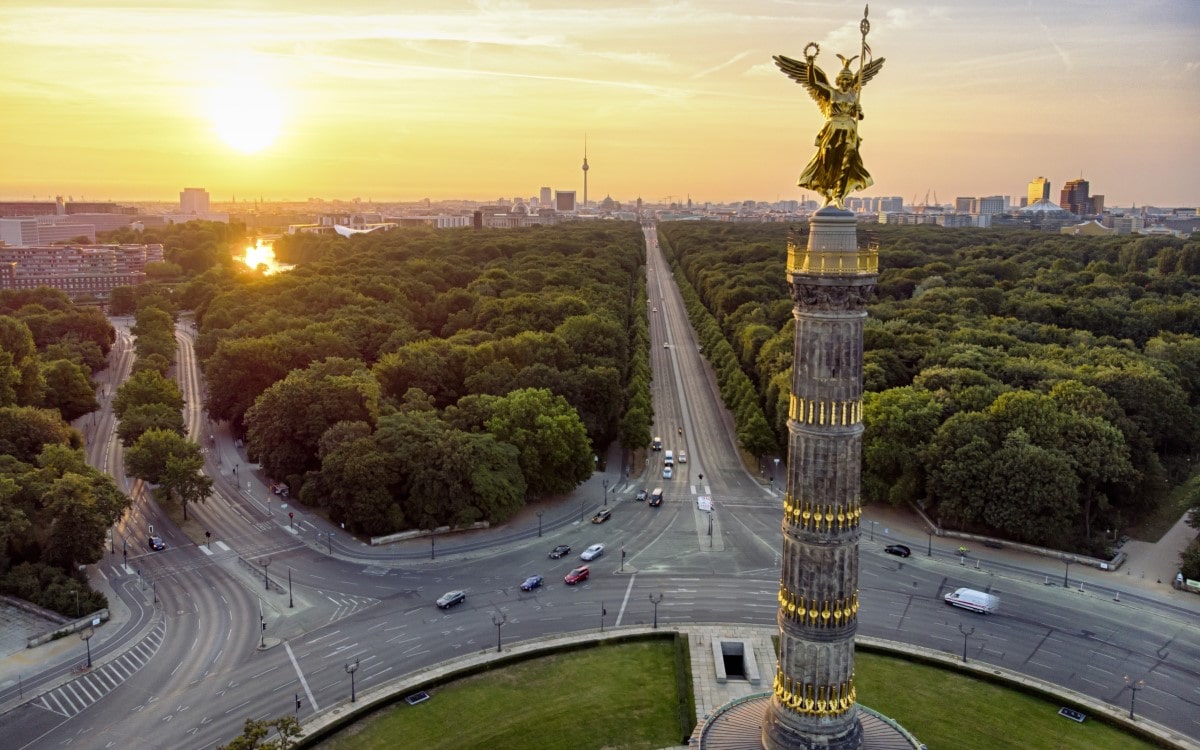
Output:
(402, 100)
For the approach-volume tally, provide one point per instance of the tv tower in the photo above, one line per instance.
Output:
(585, 170)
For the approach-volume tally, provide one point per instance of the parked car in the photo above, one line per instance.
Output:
(591, 553)
(559, 551)
(655, 309)
(450, 598)
(531, 583)
(668, 472)
(602, 515)
(156, 543)
(575, 576)
(899, 550)
(641, 495)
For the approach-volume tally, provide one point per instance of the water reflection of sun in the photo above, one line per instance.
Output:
(262, 254)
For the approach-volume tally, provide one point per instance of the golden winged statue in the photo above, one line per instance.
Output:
(837, 169)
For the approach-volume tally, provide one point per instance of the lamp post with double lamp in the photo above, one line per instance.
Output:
(498, 620)
(87, 633)
(965, 634)
(539, 515)
(266, 580)
(1133, 685)
(656, 601)
(350, 670)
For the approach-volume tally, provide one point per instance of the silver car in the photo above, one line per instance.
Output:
(591, 553)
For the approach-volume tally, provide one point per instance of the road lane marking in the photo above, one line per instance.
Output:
(311, 700)
(625, 601)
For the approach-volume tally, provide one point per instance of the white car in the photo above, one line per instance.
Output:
(667, 473)
(682, 457)
(591, 553)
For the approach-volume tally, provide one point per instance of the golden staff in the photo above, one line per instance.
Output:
(865, 27)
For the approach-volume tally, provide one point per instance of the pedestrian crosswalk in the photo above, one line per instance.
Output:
(69, 699)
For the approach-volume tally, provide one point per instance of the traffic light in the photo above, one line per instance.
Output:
(297, 701)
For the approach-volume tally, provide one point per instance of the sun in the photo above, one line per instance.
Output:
(246, 115)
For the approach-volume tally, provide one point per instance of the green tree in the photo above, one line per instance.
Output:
(551, 441)
(68, 389)
(254, 735)
(144, 417)
(287, 421)
(899, 424)
(146, 387)
(78, 525)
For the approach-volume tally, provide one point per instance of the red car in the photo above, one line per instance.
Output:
(579, 574)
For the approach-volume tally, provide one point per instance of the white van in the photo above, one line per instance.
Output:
(669, 458)
(976, 601)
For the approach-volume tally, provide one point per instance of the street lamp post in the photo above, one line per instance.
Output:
(656, 602)
(125, 552)
(291, 602)
(965, 634)
(539, 515)
(329, 538)
(776, 470)
(266, 580)
(605, 483)
(1133, 685)
(929, 550)
(872, 531)
(87, 634)
(432, 536)
(498, 620)
(1067, 562)
(603, 612)
(350, 670)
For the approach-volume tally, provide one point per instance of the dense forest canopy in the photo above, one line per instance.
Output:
(1042, 387)
(54, 508)
(506, 360)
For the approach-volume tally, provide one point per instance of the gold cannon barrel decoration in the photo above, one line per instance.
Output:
(818, 614)
(863, 261)
(823, 517)
(815, 700)
(819, 411)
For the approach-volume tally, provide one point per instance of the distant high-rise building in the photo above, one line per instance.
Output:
(545, 197)
(1074, 198)
(992, 204)
(965, 205)
(193, 201)
(1039, 190)
(564, 200)
(585, 171)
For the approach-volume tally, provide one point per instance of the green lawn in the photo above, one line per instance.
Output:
(623, 696)
(946, 709)
(617, 696)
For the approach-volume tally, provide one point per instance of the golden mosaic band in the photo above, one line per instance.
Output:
(815, 700)
(817, 411)
(821, 517)
(817, 614)
(861, 262)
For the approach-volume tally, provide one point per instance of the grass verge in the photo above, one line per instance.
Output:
(946, 709)
(611, 696)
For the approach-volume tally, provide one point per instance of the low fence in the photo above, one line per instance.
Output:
(71, 627)
(987, 541)
(419, 533)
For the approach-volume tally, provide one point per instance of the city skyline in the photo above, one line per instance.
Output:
(486, 99)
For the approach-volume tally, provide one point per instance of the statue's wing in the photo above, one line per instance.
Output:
(807, 75)
(870, 69)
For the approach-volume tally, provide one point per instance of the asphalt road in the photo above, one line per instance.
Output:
(207, 672)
